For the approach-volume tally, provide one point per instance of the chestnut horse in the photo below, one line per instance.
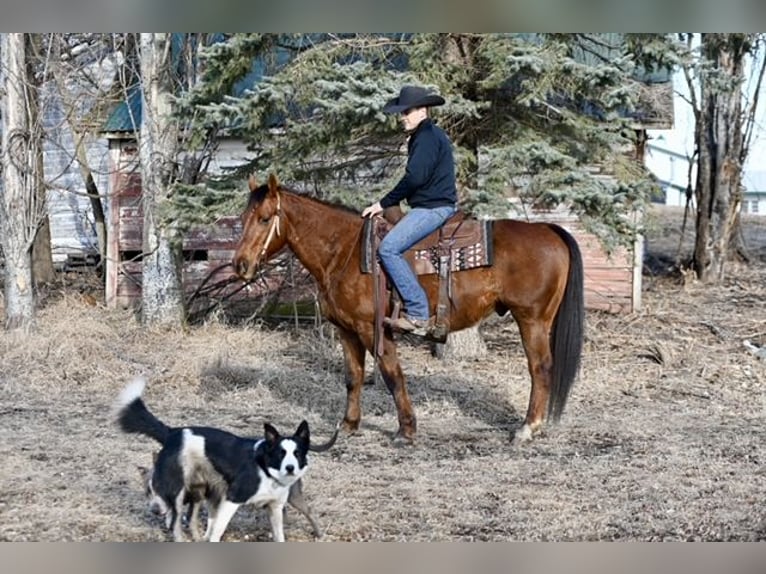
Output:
(537, 275)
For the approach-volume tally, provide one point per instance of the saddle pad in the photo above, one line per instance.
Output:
(469, 242)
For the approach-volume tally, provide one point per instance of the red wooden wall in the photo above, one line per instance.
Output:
(204, 249)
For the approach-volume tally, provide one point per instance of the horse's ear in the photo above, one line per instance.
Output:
(252, 183)
(273, 183)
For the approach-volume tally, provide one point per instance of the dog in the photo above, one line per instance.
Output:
(224, 470)
(195, 499)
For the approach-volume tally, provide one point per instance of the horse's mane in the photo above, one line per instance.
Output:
(259, 194)
(333, 204)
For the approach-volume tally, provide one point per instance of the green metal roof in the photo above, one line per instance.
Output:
(126, 116)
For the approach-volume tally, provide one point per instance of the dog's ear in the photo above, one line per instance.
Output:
(303, 432)
(270, 433)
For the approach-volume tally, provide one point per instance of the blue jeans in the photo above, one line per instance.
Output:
(413, 227)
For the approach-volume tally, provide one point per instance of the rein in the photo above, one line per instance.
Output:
(334, 281)
(345, 263)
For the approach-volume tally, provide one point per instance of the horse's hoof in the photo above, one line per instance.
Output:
(350, 428)
(522, 435)
(402, 441)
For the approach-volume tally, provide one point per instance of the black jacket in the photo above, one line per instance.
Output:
(429, 179)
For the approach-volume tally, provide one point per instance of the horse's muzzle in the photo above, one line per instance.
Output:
(244, 268)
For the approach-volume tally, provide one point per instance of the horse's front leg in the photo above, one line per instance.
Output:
(392, 374)
(353, 356)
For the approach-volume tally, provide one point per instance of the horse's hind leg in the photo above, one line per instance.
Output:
(353, 355)
(535, 336)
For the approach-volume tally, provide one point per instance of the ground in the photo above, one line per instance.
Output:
(663, 437)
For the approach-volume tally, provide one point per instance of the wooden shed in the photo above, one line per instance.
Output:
(204, 250)
(612, 281)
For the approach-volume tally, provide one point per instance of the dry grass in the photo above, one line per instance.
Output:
(663, 437)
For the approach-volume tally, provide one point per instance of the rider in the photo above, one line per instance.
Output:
(429, 187)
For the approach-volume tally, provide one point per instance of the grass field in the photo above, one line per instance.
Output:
(663, 437)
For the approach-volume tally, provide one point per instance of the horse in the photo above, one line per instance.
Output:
(536, 275)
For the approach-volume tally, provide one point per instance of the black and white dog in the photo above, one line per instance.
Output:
(197, 464)
(195, 498)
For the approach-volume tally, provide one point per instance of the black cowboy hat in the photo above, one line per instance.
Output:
(412, 97)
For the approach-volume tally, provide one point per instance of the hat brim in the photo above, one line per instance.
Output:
(394, 107)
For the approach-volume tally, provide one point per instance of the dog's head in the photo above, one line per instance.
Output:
(285, 457)
(156, 504)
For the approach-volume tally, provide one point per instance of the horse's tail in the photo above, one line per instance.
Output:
(568, 330)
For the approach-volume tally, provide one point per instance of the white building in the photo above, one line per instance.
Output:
(669, 152)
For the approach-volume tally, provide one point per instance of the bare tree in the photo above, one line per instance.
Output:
(162, 294)
(42, 257)
(723, 132)
(86, 75)
(22, 207)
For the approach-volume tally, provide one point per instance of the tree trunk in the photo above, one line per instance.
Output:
(20, 209)
(42, 256)
(161, 294)
(718, 189)
(95, 199)
(19, 293)
(465, 344)
(460, 50)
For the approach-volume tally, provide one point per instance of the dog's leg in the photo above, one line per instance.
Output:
(212, 512)
(276, 511)
(218, 521)
(177, 512)
(194, 519)
(212, 501)
(297, 501)
(169, 519)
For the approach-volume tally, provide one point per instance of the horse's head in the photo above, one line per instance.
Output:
(262, 233)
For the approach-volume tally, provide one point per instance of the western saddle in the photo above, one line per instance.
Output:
(461, 243)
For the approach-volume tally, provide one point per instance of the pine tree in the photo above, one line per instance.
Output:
(530, 116)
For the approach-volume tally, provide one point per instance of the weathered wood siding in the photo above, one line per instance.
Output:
(612, 283)
(609, 281)
(73, 233)
(204, 249)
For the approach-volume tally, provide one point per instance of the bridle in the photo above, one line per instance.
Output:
(273, 229)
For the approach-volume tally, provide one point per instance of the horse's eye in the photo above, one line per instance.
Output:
(265, 220)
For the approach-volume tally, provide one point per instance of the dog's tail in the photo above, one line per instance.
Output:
(133, 416)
